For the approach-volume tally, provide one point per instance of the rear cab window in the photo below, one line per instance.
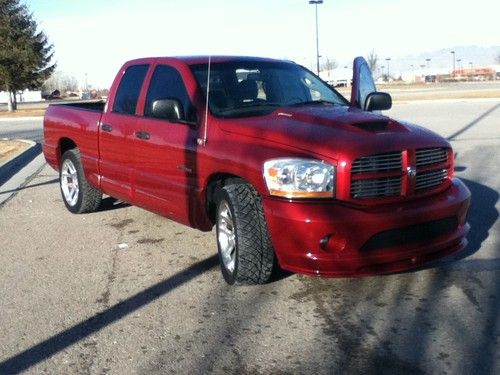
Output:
(129, 89)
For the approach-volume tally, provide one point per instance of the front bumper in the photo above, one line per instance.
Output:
(333, 239)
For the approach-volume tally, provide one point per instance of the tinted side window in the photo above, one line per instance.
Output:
(129, 89)
(166, 83)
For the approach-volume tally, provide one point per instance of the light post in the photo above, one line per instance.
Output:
(428, 61)
(453, 72)
(459, 61)
(388, 60)
(316, 2)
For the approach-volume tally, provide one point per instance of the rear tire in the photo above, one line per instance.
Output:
(246, 253)
(78, 196)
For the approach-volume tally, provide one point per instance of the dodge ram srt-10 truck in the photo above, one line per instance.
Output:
(290, 173)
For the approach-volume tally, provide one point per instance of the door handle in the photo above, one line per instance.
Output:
(142, 135)
(106, 128)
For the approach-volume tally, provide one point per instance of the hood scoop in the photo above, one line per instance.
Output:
(373, 126)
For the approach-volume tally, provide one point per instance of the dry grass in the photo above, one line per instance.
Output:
(402, 96)
(36, 112)
(9, 148)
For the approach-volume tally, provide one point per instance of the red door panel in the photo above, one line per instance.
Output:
(165, 167)
(116, 160)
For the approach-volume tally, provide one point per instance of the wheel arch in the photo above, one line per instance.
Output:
(64, 145)
(217, 181)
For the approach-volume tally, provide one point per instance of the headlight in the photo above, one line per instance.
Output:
(300, 178)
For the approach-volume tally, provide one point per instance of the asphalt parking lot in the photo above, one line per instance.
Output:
(124, 291)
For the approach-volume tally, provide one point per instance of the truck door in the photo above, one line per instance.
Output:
(165, 147)
(115, 134)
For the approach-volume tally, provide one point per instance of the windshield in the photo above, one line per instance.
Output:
(253, 88)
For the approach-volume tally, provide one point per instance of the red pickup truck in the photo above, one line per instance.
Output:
(290, 172)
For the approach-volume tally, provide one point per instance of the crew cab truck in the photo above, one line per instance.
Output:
(290, 172)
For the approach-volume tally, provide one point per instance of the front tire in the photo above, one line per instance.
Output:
(78, 196)
(245, 250)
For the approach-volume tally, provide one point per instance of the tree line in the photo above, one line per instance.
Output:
(26, 56)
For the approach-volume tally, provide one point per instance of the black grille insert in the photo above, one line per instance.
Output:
(377, 163)
(414, 233)
(427, 156)
(382, 187)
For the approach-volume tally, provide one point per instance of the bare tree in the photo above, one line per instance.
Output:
(372, 60)
(60, 81)
(329, 64)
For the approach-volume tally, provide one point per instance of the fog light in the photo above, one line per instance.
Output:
(332, 243)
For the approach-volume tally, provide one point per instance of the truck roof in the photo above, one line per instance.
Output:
(203, 59)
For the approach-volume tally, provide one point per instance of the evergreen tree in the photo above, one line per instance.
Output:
(25, 53)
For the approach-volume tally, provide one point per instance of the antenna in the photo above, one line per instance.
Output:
(203, 141)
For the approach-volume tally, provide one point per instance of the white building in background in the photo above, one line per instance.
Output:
(337, 77)
(418, 75)
(22, 96)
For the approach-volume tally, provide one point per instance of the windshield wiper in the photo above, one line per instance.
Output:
(245, 106)
(258, 104)
(309, 102)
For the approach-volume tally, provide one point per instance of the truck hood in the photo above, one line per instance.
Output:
(336, 132)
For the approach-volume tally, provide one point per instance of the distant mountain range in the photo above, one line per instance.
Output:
(465, 57)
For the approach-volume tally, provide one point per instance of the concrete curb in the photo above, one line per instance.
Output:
(17, 172)
(19, 161)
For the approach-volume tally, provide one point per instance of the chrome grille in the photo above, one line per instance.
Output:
(426, 156)
(425, 180)
(377, 163)
(372, 188)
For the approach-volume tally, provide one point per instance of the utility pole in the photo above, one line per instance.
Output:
(316, 2)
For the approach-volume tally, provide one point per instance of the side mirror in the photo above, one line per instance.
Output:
(168, 109)
(378, 101)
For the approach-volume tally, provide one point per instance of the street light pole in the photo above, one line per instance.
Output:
(453, 72)
(388, 59)
(316, 2)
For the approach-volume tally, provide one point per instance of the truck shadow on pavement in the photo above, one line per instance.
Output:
(95, 323)
(110, 203)
(482, 216)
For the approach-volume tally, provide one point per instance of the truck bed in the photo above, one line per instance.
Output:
(95, 106)
(73, 124)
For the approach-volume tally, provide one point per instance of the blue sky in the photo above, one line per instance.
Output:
(96, 37)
